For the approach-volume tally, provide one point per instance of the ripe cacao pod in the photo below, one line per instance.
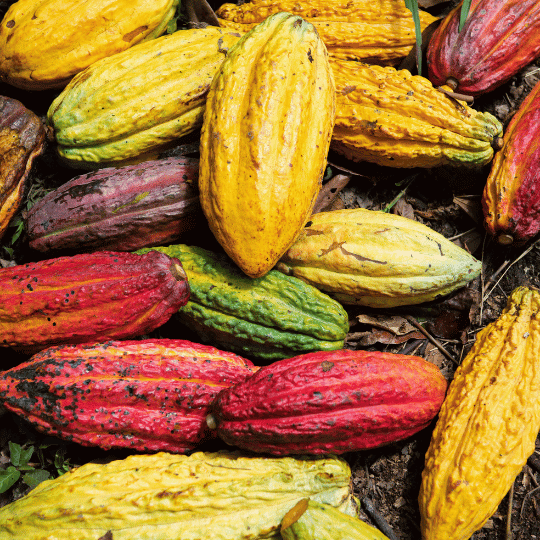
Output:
(226, 495)
(88, 297)
(373, 31)
(145, 395)
(497, 40)
(511, 197)
(487, 426)
(264, 141)
(271, 317)
(119, 209)
(138, 101)
(329, 402)
(390, 117)
(44, 43)
(377, 259)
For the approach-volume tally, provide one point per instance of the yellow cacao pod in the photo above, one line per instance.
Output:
(377, 259)
(487, 425)
(264, 141)
(44, 43)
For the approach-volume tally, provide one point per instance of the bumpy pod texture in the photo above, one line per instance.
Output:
(218, 496)
(487, 426)
(511, 198)
(498, 39)
(377, 259)
(329, 403)
(264, 140)
(44, 43)
(140, 100)
(145, 395)
(392, 118)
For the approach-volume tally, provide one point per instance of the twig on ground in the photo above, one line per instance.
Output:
(435, 342)
(377, 517)
(508, 534)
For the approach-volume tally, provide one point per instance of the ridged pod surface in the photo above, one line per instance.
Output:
(44, 43)
(329, 402)
(377, 259)
(140, 100)
(218, 496)
(511, 197)
(497, 40)
(487, 426)
(271, 317)
(374, 31)
(145, 395)
(264, 141)
(120, 209)
(390, 117)
(88, 297)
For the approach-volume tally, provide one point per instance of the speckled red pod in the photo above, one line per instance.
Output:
(329, 402)
(511, 197)
(88, 297)
(146, 395)
(497, 40)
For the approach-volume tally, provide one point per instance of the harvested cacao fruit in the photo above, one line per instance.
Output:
(329, 402)
(88, 297)
(497, 40)
(165, 496)
(144, 395)
(119, 209)
(373, 31)
(264, 141)
(392, 118)
(44, 43)
(22, 139)
(487, 426)
(136, 102)
(267, 318)
(511, 197)
(377, 259)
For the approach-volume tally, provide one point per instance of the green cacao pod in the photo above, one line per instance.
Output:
(377, 259)
(271, 317)
(329, 402)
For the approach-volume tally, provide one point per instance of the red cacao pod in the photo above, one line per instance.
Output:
(329, 402)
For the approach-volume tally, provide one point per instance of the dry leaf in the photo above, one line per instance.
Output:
(472, 207)
(403, 208)
(329, 192)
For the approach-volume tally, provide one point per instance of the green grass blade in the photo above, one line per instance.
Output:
(412, 5)
(463, 14)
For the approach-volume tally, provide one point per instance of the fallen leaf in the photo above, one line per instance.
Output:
(472, 207)
(329, 192)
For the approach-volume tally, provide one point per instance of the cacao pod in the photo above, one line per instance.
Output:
(264, 141)
(390, 117)
(511, 197)
(377, 259)
(144, 395)
(44, 43)
(220, 495)
(119, 209)
(271, 317)
(329, 403)
(138, 101)
(497, 40)
(487, 426)
(88, 297)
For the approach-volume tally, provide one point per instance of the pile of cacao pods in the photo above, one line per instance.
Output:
(267, 90)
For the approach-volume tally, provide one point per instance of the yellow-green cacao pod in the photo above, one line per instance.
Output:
(264, 140)
(377, 259)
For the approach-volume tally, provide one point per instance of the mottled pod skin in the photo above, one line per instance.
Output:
(164, 496)
(44, 43)
(329, 402)
(511, 197)
(498, 39)
(119, 209)
(377, 259)
(88, 297)
(136, 102)
(145, 395)
(264, 141)
(390, 117)
(487, 426)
